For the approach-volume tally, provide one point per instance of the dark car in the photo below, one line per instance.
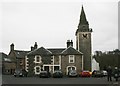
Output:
(44, 74)
(57, 74)
(97, 73)
(72, 73)
(20, 73)
(119, 71)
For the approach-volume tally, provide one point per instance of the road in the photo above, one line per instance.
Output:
(8, 79)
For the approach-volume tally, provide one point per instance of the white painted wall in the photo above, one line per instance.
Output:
(95, 65)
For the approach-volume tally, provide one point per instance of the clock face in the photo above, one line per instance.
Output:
(85, 36)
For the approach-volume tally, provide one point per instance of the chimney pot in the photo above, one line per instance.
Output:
(32, 48)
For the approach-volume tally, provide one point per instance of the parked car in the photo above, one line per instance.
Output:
(85, 73)
(20, 73)
(104, 72)
(119, 71)
(90, 73)
(97, 73)
(44, 74)
(57, 74)
(72, 73)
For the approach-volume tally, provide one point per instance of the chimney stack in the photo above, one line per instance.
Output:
(12, 47)
(69, 43)
(35, 45)
(32, 48)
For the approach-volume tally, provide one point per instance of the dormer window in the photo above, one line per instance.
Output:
(37, 59)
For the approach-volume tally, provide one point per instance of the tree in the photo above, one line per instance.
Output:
(109, 58)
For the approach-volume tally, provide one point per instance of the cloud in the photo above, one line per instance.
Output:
(52, 23)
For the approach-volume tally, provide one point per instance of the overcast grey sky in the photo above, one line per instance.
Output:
(52, 23)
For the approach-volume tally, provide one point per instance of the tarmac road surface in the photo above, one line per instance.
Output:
(9, 79)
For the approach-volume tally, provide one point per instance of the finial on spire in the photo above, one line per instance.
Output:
(82, 6)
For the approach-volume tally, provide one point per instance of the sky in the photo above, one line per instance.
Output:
(51, 23)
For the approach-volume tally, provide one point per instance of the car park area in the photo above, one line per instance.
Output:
(8, 79)
(84, 77)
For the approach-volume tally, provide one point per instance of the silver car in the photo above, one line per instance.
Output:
(72, 73)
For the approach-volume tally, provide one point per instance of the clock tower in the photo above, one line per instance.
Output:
(83, 40)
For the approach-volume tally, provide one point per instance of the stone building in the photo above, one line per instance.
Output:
(7, 66)
(63, 59)
(17, 58)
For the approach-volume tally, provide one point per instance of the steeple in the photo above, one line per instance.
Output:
(83, 25)
(83, 20)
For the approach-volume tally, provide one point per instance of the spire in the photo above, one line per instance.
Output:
(83, 25)
(83, 20)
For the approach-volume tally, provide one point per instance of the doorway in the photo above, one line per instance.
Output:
(70, 68)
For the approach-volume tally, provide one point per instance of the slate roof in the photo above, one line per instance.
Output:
(56, 51)
(71, 51)
(2, 56)
(20, 53)
(40, 51)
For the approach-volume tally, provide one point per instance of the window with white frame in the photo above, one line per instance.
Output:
(37, 69)
(37, 59)
(71, 58)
